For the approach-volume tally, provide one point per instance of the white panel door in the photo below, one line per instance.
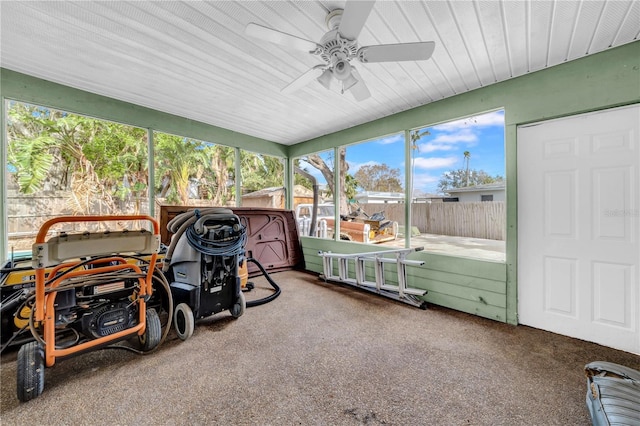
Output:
(579, 227)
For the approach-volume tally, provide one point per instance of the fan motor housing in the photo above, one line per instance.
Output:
(335, 47)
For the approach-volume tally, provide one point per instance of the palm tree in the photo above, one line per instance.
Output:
(260, 171)
(415, 137)
(221, 161)
(176, 159)
(467, 157)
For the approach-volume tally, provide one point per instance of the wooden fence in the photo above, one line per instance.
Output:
(477, 220)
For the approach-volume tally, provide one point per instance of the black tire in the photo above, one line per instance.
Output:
(239, 307)
(152, 333)
(183, 321)
(30, 371)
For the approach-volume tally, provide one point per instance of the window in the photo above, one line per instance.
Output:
(193, 172)
(374, 187)
(262, 178)
(452, 164)
(314, 172)
(67, 164)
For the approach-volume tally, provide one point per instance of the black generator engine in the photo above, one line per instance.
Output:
(203, 266)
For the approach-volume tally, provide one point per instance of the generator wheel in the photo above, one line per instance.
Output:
(153, 331)
(239, 307)
(30, 367)
(183, 321)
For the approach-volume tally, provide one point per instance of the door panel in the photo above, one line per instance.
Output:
(560, 286)
(578, 225)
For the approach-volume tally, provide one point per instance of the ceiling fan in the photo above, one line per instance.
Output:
(339, 46)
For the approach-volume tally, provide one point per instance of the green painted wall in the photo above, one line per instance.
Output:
(33, 90)
(607, 79)
(468, 285)
(603, 80)
(24, 88)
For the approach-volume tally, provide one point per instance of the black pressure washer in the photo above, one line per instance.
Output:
(202, 266)
(206, 267)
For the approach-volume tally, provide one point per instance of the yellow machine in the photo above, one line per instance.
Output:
(89, 293)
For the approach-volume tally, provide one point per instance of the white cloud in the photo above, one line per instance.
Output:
(421, 179)
(495, 118)
(460, 132)
(460, 136)
(434, 162)
(392, 139)
(431, 147)
(425, 182)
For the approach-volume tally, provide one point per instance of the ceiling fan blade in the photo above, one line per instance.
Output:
(303, 80)
(397, 52)
(360, 91)
(275, 36)
(353, 18)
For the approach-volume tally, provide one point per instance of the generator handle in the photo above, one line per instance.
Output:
(44, 229)
(39, 246)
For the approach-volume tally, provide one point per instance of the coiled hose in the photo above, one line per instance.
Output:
(191, 223)
(179, 225)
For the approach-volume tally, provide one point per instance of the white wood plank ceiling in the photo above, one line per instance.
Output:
(194, 60)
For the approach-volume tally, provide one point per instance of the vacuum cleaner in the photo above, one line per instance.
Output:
(203, 266)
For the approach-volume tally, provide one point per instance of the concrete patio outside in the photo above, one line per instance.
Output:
(477, 248)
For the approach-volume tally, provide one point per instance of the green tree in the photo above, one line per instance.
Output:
(379, 177)
(183, 164)
(31, 147)
(176, 160)
(260, 171)
(458, 179)
(350, 186)
(222, 164)
(101, 163)
(61, 151)
(347, 184)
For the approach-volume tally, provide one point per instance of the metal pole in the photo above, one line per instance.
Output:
(408, 194)
(238, 177)
(151, 190)
(3, 195)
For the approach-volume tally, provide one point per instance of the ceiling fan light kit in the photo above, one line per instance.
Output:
(325, 78)
(339, 46)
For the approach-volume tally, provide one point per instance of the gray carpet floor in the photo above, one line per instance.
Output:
(323, 354)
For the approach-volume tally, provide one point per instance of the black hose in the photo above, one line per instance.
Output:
(179, 224)
(229, 246)
(271, 297)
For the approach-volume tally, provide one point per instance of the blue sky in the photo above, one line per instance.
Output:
(440, 151)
